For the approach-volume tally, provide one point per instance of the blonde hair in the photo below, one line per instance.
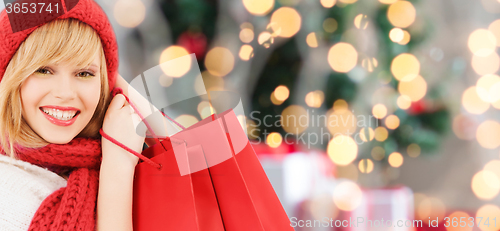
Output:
(67, 40)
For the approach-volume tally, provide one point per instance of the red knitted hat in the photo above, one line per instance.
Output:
(15, 28)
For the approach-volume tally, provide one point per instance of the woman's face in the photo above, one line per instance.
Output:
(59, 100)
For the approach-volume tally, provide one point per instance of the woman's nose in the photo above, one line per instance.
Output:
(64, 87)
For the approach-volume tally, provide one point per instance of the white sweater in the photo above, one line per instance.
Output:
(23, 187)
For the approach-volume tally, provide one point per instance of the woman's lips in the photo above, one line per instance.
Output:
(59, 122)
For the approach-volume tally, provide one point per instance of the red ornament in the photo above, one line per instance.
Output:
(418, 107)
(194, 42)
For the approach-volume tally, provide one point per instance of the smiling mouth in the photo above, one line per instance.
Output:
(63, 115)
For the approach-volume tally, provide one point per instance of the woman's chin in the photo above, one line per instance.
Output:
(59, 139)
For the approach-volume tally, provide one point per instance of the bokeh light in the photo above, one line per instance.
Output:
(472, 102)
(406, 38)
(219, 61)
(369, 64)
(494, 167)
(365, 165)
(361, 21)
(484, 65)
(311, 40)
(294, 119)
(495, 29)
(342, 57)
(392, 122)
(488, 134)
(205, 109)
(281, 92)
(328, 3)
(395, 159)
(379, 111)
(274, 100)
(342, 150)
(482, 42)
(414, 89)
(496, 104)
(494, 94)
(179, 61)
(486, 90)
(330, 25)
(347, 196)
(246, 52)
(258, 7)
(405, 67)
(401, 14)
(403, 102)
(274, 139)
(246, 25)
(482, 183)
(315, 98)
(129, 13)
(265, 39)
(186, 120)
(286, 20)
(396, 35)
(381, 134)
(413, 150)
(340, 104)
(246, 35)
(488, 211)
(378, 153)
(366, 134)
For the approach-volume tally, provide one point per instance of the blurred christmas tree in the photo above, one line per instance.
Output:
(412, 120)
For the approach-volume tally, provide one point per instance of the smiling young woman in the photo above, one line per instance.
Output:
(43, 74)
(56, 172)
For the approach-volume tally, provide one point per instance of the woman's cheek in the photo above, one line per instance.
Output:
(90, 94)
(32, 92)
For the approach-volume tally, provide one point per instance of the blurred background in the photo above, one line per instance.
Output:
(356, 108)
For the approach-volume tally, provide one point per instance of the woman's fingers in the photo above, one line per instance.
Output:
(118, 102)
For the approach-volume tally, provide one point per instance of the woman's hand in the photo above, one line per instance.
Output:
(144, 106)
(114, 200)
(120, 123)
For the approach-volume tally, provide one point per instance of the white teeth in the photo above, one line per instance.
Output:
(58, 114)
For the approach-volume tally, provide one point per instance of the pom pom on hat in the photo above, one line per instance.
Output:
(87, 11)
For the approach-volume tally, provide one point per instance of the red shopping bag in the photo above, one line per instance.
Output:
(205, 177)
(245, 195)
(165, 199)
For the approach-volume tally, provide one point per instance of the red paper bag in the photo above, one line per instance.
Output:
(245, 196)
(206, 177)
(164, 199)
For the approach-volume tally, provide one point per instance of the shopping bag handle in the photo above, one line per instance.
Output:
(118, 90)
